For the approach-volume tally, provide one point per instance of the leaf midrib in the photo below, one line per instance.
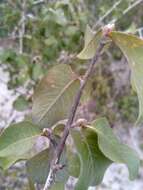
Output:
(19, 141)
(56, 99)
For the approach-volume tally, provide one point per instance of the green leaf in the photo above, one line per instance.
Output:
(6, 162)
(54, 96)
(71, 30)
(98, 147)
(73, 163)
(20, 104)
(51, 41)
(72, 157)
(113, 149)
(38, 166)
(91, 43)
(22, 61)
(58, 186)
(92, 160)
(16, 141)
(37, 71)
(8, 55)
(132, 47)
(56, 16)
(58, 128)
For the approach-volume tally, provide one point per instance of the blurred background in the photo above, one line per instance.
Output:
(35, 35)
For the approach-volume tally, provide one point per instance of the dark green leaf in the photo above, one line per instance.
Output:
(20, 104)
(73, 163)
(113, 149)
(38, 167)
(92, 160)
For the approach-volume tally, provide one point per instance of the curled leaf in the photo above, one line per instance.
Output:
(91, 42)
(93, 163)
(113, 149)
(132, 48)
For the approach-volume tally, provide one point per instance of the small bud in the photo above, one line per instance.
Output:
(80, 123)
(46, 132)
(108, 29)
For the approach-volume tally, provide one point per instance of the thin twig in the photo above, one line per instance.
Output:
(99, 22)
(131, 7)
(60, 147)
(22, 27)
(114, 7)
(128, 9)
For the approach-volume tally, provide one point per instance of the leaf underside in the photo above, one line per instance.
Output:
(54, 96)
(132, 48)
(91, 42)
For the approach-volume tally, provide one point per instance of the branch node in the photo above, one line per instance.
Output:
(48, 133)
(57, 167)
(80, 123)
(106, 30)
